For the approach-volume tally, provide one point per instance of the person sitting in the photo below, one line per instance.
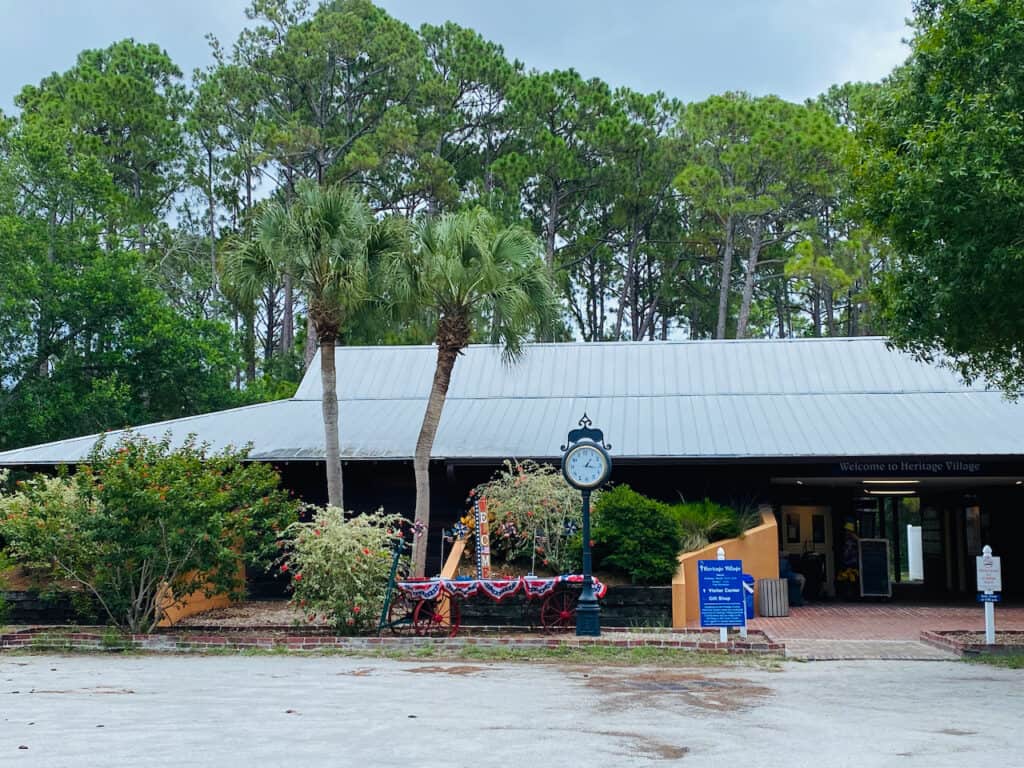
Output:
(796, 580)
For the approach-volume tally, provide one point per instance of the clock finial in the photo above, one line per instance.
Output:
(586, 433)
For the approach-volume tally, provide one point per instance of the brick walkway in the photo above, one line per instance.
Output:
(850, 621)
(875, 631)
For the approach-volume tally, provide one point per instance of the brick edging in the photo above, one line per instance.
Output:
(944, 640)
(79, 639)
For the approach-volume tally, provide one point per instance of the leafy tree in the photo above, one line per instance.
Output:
(470, 272)
(120, 111)
(758, 167)
(140, 519)
(330, 243)
(556, 163)
(463, 118)
(942, 178)
(90, 346)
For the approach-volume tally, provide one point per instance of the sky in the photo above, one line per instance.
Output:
(689, 49)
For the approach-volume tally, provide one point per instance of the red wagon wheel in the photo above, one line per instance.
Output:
(558, 612)
(429, 621)
(401, 613)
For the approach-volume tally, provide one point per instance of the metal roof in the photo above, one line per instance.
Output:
(691, 400)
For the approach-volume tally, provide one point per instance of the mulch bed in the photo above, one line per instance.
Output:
(968, 642)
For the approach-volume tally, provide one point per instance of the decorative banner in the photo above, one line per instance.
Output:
(534, 587)
(483, 539)
(495, 589)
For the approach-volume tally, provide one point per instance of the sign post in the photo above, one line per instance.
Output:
(720, 587)
(483, 539)
(990, 581)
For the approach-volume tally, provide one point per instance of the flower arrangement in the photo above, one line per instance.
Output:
(531, 510)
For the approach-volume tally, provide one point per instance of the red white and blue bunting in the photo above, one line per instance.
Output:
(496, 589)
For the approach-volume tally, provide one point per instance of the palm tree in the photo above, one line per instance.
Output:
(467, 271)
(329, 242)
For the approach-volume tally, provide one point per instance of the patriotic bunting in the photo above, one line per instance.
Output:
(496, 589)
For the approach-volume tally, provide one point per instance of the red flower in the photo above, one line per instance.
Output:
(316, 532)
(355, 609)
(366, 551)
(284, 567)
(298, 577)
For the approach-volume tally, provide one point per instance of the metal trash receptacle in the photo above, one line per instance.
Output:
(773, 597)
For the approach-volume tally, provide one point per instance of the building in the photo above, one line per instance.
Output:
(844, 438)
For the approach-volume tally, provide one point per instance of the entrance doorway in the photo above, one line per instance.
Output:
(806, 533)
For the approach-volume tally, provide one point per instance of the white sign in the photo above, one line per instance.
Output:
(990, 576)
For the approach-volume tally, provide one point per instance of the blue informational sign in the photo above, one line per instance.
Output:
(993, 598)
(720, 587)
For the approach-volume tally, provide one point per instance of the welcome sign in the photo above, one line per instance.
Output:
(911, 467)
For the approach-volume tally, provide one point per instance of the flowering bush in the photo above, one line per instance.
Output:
(529, 502)
(139, 516)
(339, 566)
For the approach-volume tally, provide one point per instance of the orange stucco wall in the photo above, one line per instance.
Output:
(758, 548)
(196, 602)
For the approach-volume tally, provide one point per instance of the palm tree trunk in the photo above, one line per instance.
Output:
(424, 445)
(329, 403)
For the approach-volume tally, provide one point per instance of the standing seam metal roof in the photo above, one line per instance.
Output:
(692, 400)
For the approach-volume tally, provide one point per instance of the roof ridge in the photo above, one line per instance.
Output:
(622, 343)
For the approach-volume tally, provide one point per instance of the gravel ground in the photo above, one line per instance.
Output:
(179, 712)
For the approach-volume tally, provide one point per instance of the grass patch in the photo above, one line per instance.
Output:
(1006, 660)
(611, 656)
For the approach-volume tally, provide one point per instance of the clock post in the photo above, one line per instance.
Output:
(586, 465)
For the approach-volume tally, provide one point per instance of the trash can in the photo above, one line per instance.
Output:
(748, 594)
(773, 597)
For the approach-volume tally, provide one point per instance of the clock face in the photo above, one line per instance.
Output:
(586, 466)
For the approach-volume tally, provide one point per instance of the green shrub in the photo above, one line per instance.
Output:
(339, 566)
(527, 498)
(140, 516)
(702, 522)
(636, 535)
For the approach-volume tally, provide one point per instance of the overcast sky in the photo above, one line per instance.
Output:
(687, 48)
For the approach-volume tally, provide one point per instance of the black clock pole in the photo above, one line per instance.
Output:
(588, 612)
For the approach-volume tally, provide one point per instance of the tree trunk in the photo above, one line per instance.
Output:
(310, 349)
(748, 280)
(723, 291)
(213, 218)
(250, 348)
(830, 309)
(288, 318)
(551, 229)
(452, 335)
(329, 405)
